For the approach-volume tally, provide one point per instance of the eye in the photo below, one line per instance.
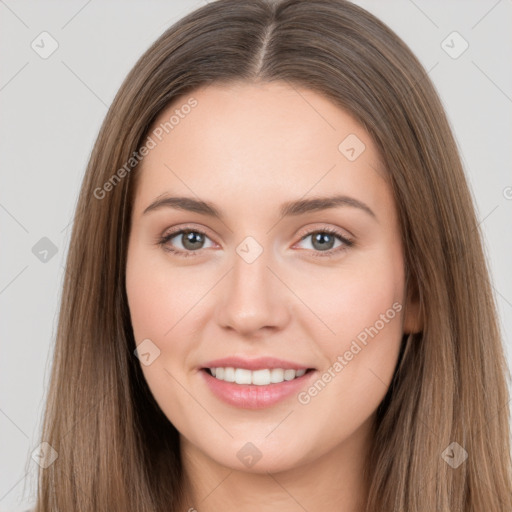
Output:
(323, 242)
(192, 241)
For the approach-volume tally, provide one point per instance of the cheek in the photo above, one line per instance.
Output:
(158, 298)
(147, 300)
(354, 298)
(362, 304)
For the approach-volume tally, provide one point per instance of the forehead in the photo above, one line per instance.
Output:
(258, 143)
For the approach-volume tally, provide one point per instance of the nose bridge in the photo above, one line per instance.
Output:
(250, 267)
(254, 298)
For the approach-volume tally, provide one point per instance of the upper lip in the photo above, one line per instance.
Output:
(259, 363)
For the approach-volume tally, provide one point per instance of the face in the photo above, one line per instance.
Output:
(275, 282)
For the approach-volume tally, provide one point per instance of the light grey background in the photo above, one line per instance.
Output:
(51, 111)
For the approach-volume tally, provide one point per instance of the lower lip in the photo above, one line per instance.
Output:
(251, 396)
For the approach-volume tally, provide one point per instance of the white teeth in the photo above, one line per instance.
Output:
(242, 376)
(289, 374)
(276, 375)
(257, 377)
(229, 374)
(260, 377)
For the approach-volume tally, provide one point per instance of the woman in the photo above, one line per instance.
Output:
(211, 353)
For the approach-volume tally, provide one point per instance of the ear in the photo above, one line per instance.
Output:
(413, 319)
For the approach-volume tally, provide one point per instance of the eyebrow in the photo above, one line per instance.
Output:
(290, 208)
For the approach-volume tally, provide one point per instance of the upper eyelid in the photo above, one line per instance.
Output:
(172, 232)
(305, 232)
(325, 227)
(317, 226)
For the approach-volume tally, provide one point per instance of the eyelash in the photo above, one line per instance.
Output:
(162, 241)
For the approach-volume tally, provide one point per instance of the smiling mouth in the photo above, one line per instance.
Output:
(262, 377)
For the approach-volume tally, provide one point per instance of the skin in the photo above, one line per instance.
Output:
(248, 148)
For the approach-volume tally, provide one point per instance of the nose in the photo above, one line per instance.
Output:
(254, 299)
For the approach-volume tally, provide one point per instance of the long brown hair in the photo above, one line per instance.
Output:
(116, 449)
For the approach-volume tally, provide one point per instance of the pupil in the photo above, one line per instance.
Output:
(320, 238)
(193, 237)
